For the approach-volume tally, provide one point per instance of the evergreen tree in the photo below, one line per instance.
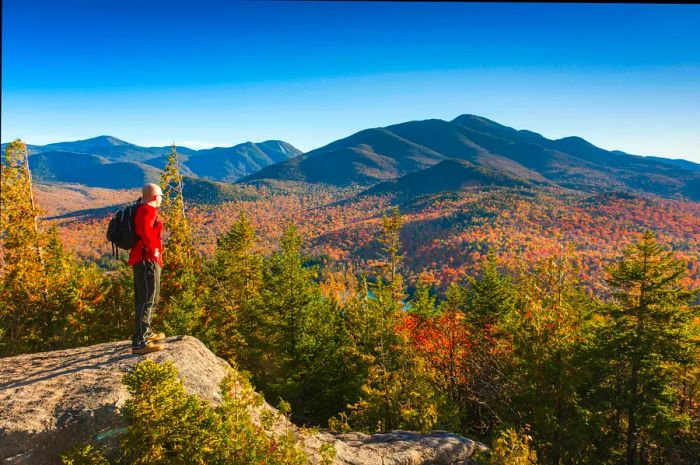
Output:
(292, 336)
(647, 341)
(288, 294)
(234, 277)
(390, 258)
(64, 294)
(180, 294)
(423, 302)
(491, 297)
(398, 391)
(551, 321)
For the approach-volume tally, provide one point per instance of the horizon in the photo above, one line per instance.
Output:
(623, 77)
(303, 151)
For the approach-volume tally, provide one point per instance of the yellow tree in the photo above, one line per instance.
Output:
(550, 321)
(23, 285)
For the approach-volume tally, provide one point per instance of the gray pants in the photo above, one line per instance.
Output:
(146, 294)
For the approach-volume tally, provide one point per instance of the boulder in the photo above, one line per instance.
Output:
(51, 401)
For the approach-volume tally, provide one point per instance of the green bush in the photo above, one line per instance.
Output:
(169, 426)
(83, 454)
(509, 448)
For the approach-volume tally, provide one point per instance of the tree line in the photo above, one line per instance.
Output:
(525, 359)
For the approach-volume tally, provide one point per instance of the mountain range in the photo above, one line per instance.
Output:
(409, 157)
(106, 161)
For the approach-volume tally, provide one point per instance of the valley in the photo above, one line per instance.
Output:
(463, 187)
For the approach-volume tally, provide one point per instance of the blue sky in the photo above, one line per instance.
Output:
(208, 73)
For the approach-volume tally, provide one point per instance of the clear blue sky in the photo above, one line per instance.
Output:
(204, 73)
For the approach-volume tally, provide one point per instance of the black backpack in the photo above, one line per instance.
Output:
(121, 231)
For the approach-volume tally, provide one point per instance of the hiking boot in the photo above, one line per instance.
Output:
(156, 337)
(147, 349)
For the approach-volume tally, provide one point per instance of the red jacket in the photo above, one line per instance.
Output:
(150, 245)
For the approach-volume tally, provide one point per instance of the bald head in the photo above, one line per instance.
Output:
(151, 194)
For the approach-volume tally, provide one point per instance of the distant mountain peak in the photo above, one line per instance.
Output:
(474, 117)
(106, 161)
(104, 140)
(501, 155)
(282, 146)
(575, 140)
(272, 142)
(467, 117)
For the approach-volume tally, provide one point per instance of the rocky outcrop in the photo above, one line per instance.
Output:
(51, 401)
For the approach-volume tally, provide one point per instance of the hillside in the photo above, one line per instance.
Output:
(51, 401)
(231, 163)
(60, 168)
(106, 146)
(131, 164)
(382, 154)
(445, 234)
(450, 175)
(90, 170)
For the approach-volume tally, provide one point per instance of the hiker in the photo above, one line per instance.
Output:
(146, 259)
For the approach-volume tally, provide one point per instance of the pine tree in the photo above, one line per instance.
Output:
(551, 321)
(292, 335)
(398, 391)
(647, 340)
(390, 258)
(180, 295)
(490, 297)
(234, 276)
(423, 302)
(288, 293)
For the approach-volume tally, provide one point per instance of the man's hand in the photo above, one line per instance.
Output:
(157, 253)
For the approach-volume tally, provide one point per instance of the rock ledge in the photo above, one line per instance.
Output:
(51, 401)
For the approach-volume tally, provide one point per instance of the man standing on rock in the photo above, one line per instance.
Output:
(146, 259)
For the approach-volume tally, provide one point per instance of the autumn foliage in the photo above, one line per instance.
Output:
(561, 328)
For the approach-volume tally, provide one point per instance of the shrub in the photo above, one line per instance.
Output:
(169, 426)
(510, 448)
(83, 454)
